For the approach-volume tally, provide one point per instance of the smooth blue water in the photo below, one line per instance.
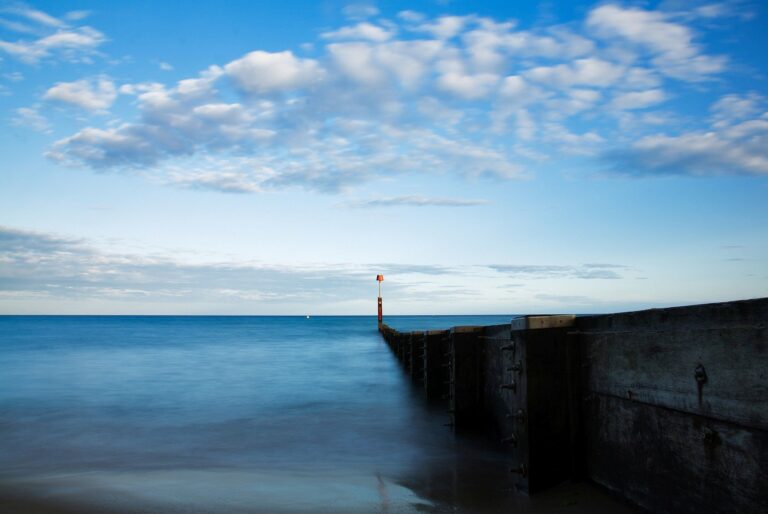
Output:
(211, 414)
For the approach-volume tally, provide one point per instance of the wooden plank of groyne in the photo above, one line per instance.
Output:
(416, 365)
(669, 461)
(495, 364)
(719, 372)
(536, 384)
(676, 406)
(436, 362)
(465, 386)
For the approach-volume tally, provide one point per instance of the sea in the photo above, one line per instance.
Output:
(234, 414)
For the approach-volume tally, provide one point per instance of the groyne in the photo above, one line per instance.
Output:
(667, 408)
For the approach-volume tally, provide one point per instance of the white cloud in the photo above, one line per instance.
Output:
(57, 39)
(582, 72)
(732, 108)
(541, 271)
(201, 86)
(570, 142)
(445, 27)
(411, 16)
(355, 60)
(463, 95)
(17, 26)
(641, 78)
(739, 149)
(671, 44)
(221, 181)
(31, 117)
(264, 72)
(103, 149)
(406, 62)
(77, 15)
(73, 276)
(637, 99)
(572, 102)
(92, 95)
(413, 201)
(514, 87)
(470, 87)
(227, 114)
(359, 11)
(165, 66)
(15, 76)
(35, 15)
(363, 30)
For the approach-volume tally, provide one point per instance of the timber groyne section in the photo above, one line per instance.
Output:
(667, 408)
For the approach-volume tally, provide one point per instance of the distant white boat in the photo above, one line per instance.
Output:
(307, 316)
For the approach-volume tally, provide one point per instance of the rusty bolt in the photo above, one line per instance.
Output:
(522, 469)
(512, 386)
(711, 437)
(700, 374)
(512, 440)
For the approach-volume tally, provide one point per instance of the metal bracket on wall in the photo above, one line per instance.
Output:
(511, 440)
(512, 386)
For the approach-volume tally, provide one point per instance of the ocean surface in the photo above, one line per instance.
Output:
(231, 414)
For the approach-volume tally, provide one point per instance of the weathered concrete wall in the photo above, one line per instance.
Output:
(666, 407)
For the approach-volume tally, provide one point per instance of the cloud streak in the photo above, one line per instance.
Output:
(37, 266)
(412, 201)
(584, 271)
(735, 144)
(57, 39)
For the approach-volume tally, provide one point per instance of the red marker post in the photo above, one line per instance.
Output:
(380, 279)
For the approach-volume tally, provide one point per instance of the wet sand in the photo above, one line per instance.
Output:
(219, 491)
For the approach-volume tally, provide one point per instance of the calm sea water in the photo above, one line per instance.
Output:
(228, 414)
(282, 413)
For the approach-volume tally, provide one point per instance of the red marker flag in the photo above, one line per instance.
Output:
(380, 278)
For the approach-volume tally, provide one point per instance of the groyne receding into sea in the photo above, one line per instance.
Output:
(667, 408)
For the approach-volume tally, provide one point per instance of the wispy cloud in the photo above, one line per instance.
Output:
(31, 117)
(45, 265)
(565, 299)
(735, 143)
(36, 266)
(52, 38)
(583, 271)
(360, 10)
(412, 201)
(670, 44)
(25, 242)
(362, 31)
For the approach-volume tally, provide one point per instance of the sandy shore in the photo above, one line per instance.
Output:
(241, 492)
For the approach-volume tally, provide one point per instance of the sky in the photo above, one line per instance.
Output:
(486, 157)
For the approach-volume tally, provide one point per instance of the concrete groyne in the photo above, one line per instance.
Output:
(667, 408)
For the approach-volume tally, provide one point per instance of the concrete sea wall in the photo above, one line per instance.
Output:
(668, 408)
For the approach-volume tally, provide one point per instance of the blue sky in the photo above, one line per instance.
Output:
(486, 157)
